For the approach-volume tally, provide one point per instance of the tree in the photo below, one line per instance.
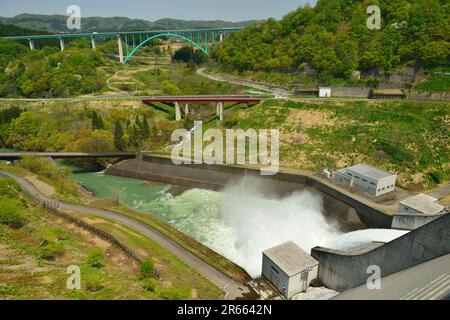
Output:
(118, 137)
(145, 127)
(97, 121)
(147, 269)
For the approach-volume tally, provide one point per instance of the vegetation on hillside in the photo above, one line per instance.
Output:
(332, 38)
(409, 138)
(37, 248)
(63, 127)
(58, 23)
(48, 72)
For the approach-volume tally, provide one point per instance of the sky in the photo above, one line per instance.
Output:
(229, 10)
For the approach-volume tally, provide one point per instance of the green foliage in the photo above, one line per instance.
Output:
(119, 142)
(435, 84)
(95, 258)
(189, 55)
(333, 39)
(41, 166)
(9, 188)
(12, 212)
(174, 294)
(50, 250)
(149, 285)
(147, 269)
(58, 23)
(48, 72)
(97, 121)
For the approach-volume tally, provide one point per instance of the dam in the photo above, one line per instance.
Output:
(238, 213)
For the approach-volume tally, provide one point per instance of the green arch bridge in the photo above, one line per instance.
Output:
(134, 40)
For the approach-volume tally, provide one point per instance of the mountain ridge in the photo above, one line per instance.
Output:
(57, 23)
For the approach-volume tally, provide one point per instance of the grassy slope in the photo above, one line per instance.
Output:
(406, 137)
(24, 274)
(174, 79)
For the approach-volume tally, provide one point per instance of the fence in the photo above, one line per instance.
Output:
(53, 207)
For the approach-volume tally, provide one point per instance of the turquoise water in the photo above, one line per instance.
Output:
(238, 223)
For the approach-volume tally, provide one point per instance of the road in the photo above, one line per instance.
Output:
(232, 288)
(427, 281)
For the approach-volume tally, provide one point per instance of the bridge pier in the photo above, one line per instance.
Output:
(186, 109)
(62, 44)
(220, 110)
(31, 44)
(221, 37)
(119, 43)
(93, 43)
(177, 111)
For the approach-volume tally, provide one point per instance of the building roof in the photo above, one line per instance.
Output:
(290, 258)
(424, 204)
(370, 171)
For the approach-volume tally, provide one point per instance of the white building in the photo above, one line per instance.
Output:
(289, 268)
(417, 211)
(368, 179)
(324, 92)
(420, 204)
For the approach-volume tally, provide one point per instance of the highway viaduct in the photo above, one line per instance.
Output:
(134, 40)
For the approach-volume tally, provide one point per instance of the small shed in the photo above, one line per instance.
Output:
(421, 204)
(324, 92)
(289, 268)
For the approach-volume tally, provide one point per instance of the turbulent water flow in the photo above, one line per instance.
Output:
(238, 223)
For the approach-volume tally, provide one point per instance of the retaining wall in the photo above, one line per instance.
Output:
(353, 213)
(342, 271)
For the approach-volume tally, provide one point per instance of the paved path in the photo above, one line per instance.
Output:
(232, 288)
(427, 281)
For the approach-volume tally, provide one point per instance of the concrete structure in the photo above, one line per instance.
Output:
(120, 48)
(417, 211)
(289, 268)
(177, 111)
(344, 270)
(357, 91)
(32, 47)
(93, 43)
(324, 92)
(219, 100)
(426, 281)
(220, 110)
(371, 180)
(351, 210)
(62, 44)
(420, 204)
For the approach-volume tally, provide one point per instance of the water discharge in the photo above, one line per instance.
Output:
(240, 222)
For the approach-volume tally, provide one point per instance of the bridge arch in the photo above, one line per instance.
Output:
(167, 34)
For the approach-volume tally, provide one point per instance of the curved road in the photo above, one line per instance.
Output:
(232, 288)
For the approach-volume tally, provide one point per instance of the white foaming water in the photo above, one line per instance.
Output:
(258, 224)
(240, 222)
(353, 240)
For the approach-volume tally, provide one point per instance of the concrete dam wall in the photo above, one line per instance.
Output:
(342, 271)
(353, 213)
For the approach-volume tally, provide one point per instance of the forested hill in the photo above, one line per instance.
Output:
(10, 30)
(57, 23)
(333, 38)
